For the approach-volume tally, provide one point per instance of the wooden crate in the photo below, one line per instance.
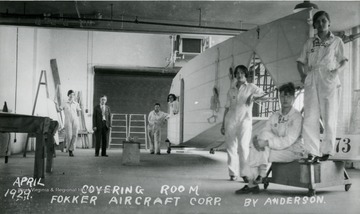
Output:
(131, 153)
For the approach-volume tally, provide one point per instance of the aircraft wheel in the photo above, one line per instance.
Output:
(168, 150)
(212, 151)
(347, 187)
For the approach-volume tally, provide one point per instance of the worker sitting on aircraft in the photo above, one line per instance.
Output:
(156, 119)
(237, 123)
(279, 141)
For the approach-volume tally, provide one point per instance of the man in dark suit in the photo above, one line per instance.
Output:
(102, 125)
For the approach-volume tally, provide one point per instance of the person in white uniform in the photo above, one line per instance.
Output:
(237, 123)
(320, 61)
(279, 141)
(156, 119)
(71, 110)
(173, 104)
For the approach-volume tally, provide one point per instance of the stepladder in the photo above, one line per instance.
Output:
(40, 83)
(119, 131)
(138, 129)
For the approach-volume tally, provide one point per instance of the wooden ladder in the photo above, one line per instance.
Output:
(43, 73)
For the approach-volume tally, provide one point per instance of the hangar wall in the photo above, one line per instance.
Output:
(26, 51)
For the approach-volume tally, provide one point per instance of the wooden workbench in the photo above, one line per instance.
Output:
(42, 128)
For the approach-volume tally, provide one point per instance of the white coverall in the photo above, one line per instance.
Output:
(242, 123)
(283, 132)
(231, 127)
(173, 107)
(71, 125)
(155, 122)
(322, 88)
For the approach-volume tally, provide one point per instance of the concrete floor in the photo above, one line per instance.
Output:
(193, 178)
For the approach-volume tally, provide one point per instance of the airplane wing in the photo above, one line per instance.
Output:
(278, 44)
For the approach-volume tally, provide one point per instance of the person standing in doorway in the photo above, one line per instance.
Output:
(102, 125)
(319, 64)
(156, 119)
(173, 104)
(71, 110)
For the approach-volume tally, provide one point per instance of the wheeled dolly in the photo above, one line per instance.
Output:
(308, 175)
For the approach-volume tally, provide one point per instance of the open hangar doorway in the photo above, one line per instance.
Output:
(133, 91)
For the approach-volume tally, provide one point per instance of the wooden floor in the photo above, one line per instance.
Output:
(182, 182)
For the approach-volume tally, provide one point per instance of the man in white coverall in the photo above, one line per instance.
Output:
(71, 111)
(278, 141)
(323, 56)
(156, 119)
(237, 123)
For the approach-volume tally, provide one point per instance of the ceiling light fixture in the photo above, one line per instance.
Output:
(305, 5)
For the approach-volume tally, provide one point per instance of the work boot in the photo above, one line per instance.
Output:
(245, 179)
(233, 178)
(248, 190)
(259, 179)
(310, 159)
(324, 157)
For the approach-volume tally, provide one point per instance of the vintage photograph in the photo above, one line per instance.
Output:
(180, 107)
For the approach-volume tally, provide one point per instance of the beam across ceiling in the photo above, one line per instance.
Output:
(99, 23)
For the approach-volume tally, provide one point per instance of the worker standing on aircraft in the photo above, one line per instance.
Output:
(279, 141)
(320, 61)
(237, 123)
